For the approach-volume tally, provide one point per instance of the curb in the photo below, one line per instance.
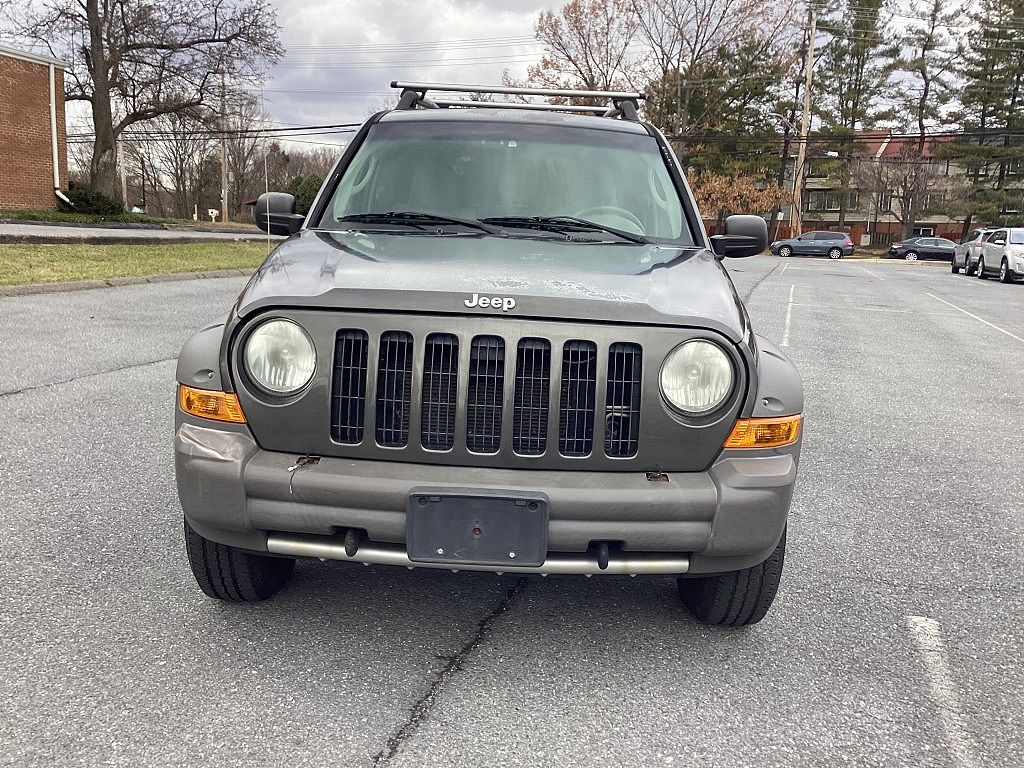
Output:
(166, 226)
(9, 239)
(31, 289)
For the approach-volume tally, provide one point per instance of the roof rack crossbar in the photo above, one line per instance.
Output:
(604, 111)
(517, 90)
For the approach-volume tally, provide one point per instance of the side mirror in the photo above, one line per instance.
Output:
(275, 213)
(744, 236)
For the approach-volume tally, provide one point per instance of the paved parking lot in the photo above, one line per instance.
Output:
(896, 639)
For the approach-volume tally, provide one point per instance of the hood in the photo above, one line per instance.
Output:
(545, 278)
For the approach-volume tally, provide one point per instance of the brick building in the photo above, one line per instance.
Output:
(33, 134)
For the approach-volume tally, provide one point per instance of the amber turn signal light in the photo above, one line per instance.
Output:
(765, 433)
(207, 404)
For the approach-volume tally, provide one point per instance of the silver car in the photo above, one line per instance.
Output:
(967, 251)
(1002, 253)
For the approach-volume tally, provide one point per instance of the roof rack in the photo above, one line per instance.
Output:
(624, 103)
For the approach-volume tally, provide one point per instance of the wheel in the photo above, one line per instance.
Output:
(981, 269)
(234, 575)
(1004, 272)
(956, 269)
(785, 251)
(968, 269)
(910, 256)
(835, 253)
(735, 598)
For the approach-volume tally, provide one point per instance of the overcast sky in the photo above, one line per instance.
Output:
(342, 55)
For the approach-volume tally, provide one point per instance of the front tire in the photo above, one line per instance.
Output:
(956, 269)
(835, 253)
(785, 251)
(911, 256)
(981, 270)
(735, 598)
(234, 575)
(1004, 272)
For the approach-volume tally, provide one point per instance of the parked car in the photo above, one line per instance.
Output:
(923, 248)
(1002, 253)
(835, 245)
(523, 355)
(967, 251)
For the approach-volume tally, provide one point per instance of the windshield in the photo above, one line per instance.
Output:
(1017, 236)
(499, 170)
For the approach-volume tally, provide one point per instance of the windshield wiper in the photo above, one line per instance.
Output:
(563, 224)
(414, 219)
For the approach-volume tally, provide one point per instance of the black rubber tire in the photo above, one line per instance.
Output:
(911, 256)
(1004, 272)
(956, 269)
(835, 253)
(735, 598)
(785, 251)
(980, 270)
(234, 575)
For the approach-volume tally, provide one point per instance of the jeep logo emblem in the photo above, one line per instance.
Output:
(504, 303)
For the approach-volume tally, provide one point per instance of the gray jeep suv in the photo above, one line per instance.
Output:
(501, 340)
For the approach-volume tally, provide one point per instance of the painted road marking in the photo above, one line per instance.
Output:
(926, 635)
(979, 319)
(877, 277)
(784, 268)
(789, 317)
(830, 307)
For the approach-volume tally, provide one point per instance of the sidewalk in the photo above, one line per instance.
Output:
(130, 234)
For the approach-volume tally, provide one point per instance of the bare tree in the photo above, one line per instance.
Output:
(683, 36)
(586, 45)
(135, 60)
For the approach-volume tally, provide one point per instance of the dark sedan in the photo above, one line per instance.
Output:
(923, 248)
(835, 245)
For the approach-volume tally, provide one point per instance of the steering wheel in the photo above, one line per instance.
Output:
(635, 225)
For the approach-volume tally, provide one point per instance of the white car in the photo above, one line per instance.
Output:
(1003, 253)
(967, 251)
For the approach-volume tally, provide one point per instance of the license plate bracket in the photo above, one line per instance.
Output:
(476, 527)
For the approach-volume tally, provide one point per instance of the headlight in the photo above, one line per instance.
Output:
(280, 357)
(697, 377)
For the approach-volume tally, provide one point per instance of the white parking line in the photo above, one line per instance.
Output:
(979, 319)
(877, 277)
(784, 268)
(926, 635)
(789, 318)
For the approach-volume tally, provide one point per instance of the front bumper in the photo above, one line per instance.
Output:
(729, 517)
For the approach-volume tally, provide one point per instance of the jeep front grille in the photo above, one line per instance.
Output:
(433, 398)
(394, 388)
(348, 398)
(440, 391)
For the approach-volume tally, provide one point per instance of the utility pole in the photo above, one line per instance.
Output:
(223, 150)
(805, 127)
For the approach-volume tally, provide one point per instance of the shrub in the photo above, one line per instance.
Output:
(87, 201)
(304, 187)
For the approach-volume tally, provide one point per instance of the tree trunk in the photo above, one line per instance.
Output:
(103, 175)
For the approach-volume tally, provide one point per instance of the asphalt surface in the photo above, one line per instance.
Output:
(57, 233)
(896, 638)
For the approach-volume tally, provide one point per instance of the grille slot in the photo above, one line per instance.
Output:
(622, 409)
(440, 391)
(533, 383)
(348, 400)
(394, 388)
(579, 380)
(486, 394)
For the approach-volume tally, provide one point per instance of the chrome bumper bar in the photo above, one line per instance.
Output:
(584, 564)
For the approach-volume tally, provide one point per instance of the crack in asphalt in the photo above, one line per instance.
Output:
(755, 286)
(34, 387)
(425, 703)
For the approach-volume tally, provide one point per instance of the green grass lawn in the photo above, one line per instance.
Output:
(21, 264)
